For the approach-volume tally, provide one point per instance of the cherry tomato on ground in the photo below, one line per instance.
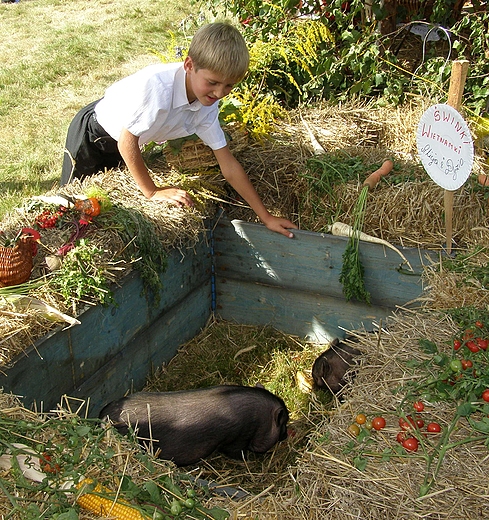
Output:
(455, 365)
(401, 436)
(368, 425)
(378, 423)
(468, 334)
(472, 346)
(175, 508)
(361, 418)
(482, 343)
(189, 503)
(410, 444)
(419, 423)
(485, 395)
(434, 427)
(479, 324)
(408, 423)
(354, 429)
(457, 344)
(466, 363)
(418, 406)
(403, 424)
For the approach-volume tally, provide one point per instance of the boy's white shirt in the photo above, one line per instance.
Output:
(153, 105)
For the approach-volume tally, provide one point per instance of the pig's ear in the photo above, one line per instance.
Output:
(321, 368)
(281, 416)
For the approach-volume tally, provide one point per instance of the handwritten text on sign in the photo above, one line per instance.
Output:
(445, 146)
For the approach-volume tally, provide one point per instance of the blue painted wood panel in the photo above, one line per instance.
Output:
(129, 368)
(293, 284)
(64, 360)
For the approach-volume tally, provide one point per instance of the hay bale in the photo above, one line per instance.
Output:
(190, 154)
(333, 487)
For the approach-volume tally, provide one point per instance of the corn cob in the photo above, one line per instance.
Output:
(102, 502)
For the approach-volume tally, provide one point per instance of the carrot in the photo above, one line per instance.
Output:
(372, 180)
(344, 230)
(483, 179)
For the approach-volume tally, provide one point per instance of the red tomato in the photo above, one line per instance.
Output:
(457, 344)
(467, 363)
(482, 343)
(419, 423)
(434, 427)
(485, 395)
(468, 334)
(410, 444)
(472, 346)
(403, 424)
(411, 421)
(479, 324)
(418, 406)
(401, 436)
(378, 423)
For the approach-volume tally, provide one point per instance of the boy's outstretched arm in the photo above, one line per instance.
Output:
(234, 173)
(131, 153)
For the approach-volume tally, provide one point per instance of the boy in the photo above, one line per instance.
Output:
(162, 102)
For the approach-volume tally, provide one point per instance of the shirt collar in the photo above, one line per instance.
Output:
(180, 99)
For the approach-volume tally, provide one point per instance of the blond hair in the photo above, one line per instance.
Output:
(220, 48)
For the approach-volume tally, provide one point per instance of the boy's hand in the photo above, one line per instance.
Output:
(280, 225)
(174, 196)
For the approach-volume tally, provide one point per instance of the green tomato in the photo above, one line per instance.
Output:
(189, 503)
(191, 493)
(175, 508)
(456, 365)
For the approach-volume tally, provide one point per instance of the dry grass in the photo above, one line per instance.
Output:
(311, 475)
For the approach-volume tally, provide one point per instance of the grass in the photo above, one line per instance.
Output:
(58, 56)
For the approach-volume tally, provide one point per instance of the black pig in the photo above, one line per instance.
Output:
(189, 425)
(329, 369)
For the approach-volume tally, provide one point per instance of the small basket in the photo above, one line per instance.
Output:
(16, 262)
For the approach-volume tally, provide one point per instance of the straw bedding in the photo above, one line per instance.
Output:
(313, 475)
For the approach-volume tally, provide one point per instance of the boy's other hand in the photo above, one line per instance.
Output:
(280, 225)
(174, 196)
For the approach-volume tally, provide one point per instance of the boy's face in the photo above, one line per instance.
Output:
(205, 85)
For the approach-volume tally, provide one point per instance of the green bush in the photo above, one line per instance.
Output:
(331, 50)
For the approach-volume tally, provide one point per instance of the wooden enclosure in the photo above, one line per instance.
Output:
(242, 272)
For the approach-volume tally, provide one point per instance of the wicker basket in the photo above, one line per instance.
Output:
(16, 262)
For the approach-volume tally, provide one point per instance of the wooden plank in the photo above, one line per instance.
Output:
(312, 262)
(129, 368)
(314, 317)
(62, 361)
(307, 270)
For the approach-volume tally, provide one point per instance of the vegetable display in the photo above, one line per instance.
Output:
(413, 429)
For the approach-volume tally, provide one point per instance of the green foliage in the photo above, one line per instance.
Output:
(337, 53)
(143, 246)
(352, 270)
(82, 274)
(78, 448)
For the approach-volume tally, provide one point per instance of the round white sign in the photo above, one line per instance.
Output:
(445, 146)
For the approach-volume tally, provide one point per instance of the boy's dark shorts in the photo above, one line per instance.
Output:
(89, 149)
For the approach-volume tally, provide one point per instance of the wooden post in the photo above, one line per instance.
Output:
(455, 92)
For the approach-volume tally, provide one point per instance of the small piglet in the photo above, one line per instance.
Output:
(188, 425)
(329, 369)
